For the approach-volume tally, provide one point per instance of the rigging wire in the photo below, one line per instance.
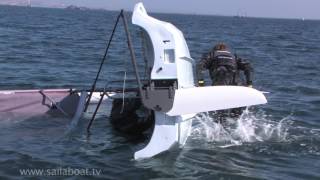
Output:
(103, 60)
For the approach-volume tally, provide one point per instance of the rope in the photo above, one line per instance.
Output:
(124, 84)
(123, 91)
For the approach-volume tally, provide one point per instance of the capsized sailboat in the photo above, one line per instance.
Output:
(169, 90)
(172, 93)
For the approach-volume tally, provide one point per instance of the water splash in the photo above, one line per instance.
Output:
(249, 127)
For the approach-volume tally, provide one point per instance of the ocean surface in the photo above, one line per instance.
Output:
(56, 48)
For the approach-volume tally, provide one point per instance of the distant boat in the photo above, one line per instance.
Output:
(240, 15)
(72, 7)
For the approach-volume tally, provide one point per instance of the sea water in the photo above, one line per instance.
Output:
(56, 48)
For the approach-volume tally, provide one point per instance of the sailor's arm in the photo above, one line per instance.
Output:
(246, 67)
(202, 65)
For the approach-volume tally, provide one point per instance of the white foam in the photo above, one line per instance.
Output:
(249, 127)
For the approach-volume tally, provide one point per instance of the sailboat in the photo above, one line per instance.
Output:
(169, 92)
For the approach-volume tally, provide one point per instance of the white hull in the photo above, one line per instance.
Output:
(170, 58)
(169, 132)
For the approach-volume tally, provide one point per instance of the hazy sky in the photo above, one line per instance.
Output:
(309, 9)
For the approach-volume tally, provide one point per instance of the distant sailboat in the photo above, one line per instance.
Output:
(29, 3)
(241, 14)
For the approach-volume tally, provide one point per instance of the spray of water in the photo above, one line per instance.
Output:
(249, 127)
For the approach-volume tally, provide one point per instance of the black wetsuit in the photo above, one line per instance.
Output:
(224, 68)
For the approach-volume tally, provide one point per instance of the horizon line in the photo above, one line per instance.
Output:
(161, 12)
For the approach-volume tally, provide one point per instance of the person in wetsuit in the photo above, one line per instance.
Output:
(225, 69)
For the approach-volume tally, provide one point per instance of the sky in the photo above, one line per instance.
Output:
(308, 9)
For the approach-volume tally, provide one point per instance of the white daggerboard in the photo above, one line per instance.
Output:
(203, 99)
